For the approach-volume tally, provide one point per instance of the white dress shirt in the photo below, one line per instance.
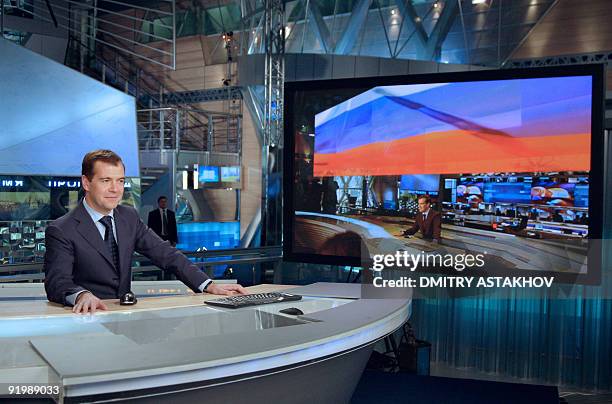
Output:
(425, 214)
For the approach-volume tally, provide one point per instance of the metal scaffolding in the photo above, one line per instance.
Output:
(188, 129)
(274, 41)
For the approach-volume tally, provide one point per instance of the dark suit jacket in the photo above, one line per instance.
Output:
(76, 257)
(155, 223)
(430, 228)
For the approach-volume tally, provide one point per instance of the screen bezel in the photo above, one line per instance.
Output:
(596, 174)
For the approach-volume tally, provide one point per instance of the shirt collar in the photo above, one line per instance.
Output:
(95, 215)
(426, 212)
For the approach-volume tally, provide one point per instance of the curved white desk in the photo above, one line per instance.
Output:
(171, 349)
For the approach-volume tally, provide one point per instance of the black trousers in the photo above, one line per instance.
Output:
(167, 275)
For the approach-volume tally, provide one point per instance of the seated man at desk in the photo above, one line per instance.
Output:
(89, 250)
(427, 221)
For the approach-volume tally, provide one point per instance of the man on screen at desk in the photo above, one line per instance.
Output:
(89, 250)
(427, 221)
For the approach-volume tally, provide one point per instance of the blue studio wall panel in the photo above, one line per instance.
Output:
(52, 115)
(211, 235)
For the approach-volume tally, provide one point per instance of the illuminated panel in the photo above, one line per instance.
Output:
(520, 125)
(52, 116)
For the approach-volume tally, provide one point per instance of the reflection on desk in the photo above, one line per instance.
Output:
(169, 342)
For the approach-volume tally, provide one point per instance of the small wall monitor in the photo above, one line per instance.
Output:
(230, 174)
(208, 174)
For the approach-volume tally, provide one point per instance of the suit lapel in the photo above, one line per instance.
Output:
(158, 220)
(122, 228)
(90, 233)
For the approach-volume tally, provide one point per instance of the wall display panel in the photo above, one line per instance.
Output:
(208, 174)
(29, 203)
(230, 174)
(511, 156)
(52, 116)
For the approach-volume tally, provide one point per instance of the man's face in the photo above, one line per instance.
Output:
(162, 203)
(423, 205)
(105, 190)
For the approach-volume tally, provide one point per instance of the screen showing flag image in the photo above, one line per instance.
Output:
(511, 161)
(535, 125)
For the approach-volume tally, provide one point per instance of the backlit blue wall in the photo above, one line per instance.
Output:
(45, 106)
(212, 235)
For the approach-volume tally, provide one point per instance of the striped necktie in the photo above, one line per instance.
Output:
(109, 240)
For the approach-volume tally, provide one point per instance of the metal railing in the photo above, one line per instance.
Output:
(114, 24)
(116, 72)
(189, 129)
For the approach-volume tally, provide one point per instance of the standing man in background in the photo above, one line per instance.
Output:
(163, 221)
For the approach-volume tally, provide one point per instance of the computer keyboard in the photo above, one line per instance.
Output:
(235, 302)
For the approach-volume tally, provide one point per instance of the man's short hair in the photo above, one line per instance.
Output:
(426, 197)
(160, 198)
(107, 156)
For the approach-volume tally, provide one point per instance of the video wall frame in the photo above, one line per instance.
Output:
(344, 89)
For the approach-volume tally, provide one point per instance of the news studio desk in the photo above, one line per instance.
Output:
(177, 349)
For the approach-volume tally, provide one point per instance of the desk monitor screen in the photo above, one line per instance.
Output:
(513, 157)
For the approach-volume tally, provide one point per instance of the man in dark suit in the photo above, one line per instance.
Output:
(89, 250)
(163, 221)
(427, 221)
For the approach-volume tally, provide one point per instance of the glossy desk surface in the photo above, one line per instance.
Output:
(36, 308)
(178, 339)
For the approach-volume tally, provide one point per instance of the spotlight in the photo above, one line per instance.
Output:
(228, 36)
(479, 1)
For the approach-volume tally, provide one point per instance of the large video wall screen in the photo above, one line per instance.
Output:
(512, 157)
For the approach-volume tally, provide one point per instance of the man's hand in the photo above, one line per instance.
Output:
(229, 289)
(86, 302)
